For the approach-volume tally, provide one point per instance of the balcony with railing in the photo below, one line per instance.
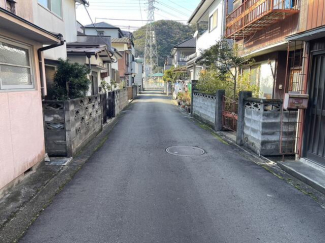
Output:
(255, 15)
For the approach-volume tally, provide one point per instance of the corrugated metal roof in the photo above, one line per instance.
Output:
(120, 40)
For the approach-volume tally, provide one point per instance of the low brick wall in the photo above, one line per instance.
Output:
(262, 126)
(69, 125)
(204, 107)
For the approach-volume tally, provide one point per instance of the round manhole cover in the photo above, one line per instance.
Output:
(185, 151)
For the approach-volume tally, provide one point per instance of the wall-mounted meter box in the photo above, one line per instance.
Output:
(295, 101)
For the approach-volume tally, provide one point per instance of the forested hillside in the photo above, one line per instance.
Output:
(169, 33)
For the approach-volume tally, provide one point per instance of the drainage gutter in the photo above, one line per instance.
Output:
(41, 64)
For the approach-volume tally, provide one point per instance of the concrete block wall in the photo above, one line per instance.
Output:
(262, 126)
(134, 91)
(55, 128)
(85, 121)
(69, 125)
(130, 93)
(121, 100)
(204, 107)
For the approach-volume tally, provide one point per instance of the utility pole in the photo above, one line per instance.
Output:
(150, 50)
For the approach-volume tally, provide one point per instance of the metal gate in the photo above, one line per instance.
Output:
(292, 120)
(229, 114)
(315, 126)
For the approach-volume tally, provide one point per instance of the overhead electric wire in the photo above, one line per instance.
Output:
(137, 19)
(171, 8)
(115, 5)
(180, 6)
(169, 13)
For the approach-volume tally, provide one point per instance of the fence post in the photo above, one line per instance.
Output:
(193, 88)
(241, 115)
(218, 110)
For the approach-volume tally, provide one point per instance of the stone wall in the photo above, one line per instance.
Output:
(262, 126)
(204, 107)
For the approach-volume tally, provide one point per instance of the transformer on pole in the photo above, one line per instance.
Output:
(150, 49)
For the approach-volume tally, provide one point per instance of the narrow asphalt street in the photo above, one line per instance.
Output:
(133, 191)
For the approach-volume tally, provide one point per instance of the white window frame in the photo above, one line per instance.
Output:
(49, 8)
(31, 66)
(211, 17)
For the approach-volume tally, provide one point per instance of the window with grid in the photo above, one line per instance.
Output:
(16, 70)
(100, 33)
(54, 6)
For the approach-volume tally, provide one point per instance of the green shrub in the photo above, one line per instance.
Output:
(210, 81)
(105, 86)
(70, 81)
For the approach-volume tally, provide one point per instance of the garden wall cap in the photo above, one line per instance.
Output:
(264, 101)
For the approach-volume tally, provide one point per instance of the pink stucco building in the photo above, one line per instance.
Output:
(25, 28)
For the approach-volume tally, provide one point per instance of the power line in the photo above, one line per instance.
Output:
(171, 8)
(180, 6)
(135, 19)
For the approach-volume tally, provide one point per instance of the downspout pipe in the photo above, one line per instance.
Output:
(40, 63)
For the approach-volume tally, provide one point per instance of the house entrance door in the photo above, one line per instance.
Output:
(315, 126)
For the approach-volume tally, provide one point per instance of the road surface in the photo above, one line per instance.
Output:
(133, 191)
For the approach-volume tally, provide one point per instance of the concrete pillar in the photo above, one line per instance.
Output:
(219, 105)
(193, 88)
(241, 116)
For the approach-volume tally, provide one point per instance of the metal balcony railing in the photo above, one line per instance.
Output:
(254, 15)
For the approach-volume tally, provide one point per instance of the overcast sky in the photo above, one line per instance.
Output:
(131, 14)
